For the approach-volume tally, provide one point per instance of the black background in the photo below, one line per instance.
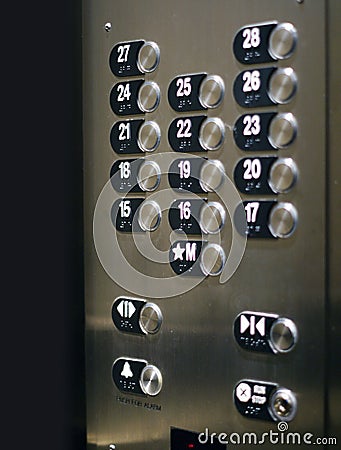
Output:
(42, 316)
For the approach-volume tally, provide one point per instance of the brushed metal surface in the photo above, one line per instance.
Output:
(195, 349)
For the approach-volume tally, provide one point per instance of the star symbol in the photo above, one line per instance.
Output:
(178, 251)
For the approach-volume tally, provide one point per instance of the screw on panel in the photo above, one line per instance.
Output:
(107, 28)
(300, 1)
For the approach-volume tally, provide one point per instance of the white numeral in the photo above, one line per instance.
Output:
(123, 92)
(253, 169)
(184, 87)
(185, 210)
(252, 125)
(123, 52)
(251, 210)
(125, 208)
(184, 130)
(124, 129)
(125, 169)
(252, 37)
(185, 168)
(251, 81)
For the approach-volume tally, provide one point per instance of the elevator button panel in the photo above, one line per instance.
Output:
(243, 99)
(265, 333)
(264, 400)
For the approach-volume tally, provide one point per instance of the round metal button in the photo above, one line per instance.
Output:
(282, 130)
(282, 41)
(211, 134)
(211, 91)
(148, 96)
(149, 176)
(151, 380)
(283, 405)
(282, 85)
(211, 175)
(149, 136)
(283, 335)
(283, 220)
(149, 217)
(283, 175)
(212, 259)
(150, 318)
(149, 57)
(212, 217)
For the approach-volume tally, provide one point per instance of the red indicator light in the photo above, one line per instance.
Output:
(190, 445)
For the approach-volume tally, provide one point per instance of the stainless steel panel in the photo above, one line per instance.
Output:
(195, 349)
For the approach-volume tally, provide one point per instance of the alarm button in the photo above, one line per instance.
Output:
(148, 57)
(282, 130)
(151, 380)
(150, 318)
(211, 175)
(149, 176)
(149, 217)
(282, 41)
(212, 217)
(282, 85)
(283, 335)
(211, 135)
(211, 91)
(283, 175)
(212, 259)
(148, 96)
(283, 220)
(149, 136)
